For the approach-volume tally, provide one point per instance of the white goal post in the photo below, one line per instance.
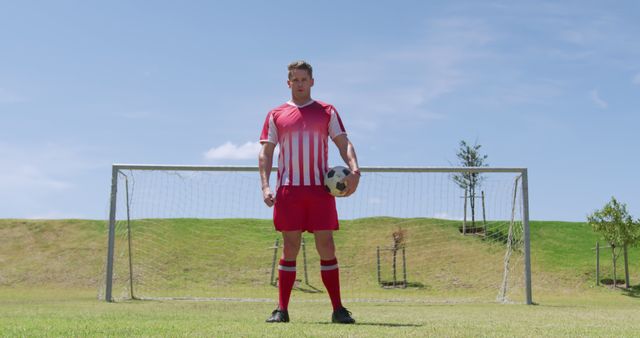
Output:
(408, 206)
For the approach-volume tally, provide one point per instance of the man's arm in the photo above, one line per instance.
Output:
(348, 154)
(265, 162)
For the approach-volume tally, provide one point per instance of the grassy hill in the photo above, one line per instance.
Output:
(233, 255)
(50, 272)
(62, 253)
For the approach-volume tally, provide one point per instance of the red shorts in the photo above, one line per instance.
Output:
(304, 208)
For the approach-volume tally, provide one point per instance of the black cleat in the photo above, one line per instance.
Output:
(342, 316)
(279, 316)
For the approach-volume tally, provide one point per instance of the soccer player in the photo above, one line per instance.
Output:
(302, 127)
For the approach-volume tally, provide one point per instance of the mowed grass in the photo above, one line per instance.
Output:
(50, 272)
(42, 312)
(220, 258)
(231, 258)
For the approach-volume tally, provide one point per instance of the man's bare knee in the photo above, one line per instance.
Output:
(325, 245)
(290, 253)
(291, 245)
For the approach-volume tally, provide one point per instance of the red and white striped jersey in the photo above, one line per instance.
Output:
(302, 133)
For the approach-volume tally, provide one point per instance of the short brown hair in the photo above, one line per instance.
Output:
(300, 64)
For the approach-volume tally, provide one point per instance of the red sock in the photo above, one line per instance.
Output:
(286, 279)
(331, 279)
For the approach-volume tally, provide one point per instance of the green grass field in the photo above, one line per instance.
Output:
(58, 312)
(50, 273)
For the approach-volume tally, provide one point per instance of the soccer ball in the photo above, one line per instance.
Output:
(332, 180)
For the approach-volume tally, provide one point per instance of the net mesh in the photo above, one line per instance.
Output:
(403, 237)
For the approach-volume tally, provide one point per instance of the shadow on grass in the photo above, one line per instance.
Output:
(376, 324)
(390, 324)
(402, 285)
(559, 306)
(633, 291)
(308, 289)
(609, 282)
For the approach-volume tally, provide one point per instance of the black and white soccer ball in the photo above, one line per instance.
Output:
(332, 180)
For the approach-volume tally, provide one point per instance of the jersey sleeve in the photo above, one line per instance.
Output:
(269, 130)
(335, 124)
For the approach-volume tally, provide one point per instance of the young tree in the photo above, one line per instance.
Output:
(617, 227)
(469, 156)
(399, 241)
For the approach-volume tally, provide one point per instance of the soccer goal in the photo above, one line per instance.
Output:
(418, 234)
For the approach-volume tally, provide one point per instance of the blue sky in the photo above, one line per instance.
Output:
(551, 86)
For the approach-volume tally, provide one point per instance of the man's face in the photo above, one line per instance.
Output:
(300, 83)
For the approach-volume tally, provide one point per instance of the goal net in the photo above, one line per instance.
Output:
(407, 234)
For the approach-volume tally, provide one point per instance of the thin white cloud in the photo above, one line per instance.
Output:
(636, 79)
(28, 177)
(40, 169)
(367, 125)
(574, 36)
(445, 215)
(534, 92)
(230, 151)
(595, 97)
(136, 114)
(36, 180)
(375, 201)
(601, 36)
(405, 80)
(7, 96)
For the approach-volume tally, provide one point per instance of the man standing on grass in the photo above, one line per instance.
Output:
(302, 127)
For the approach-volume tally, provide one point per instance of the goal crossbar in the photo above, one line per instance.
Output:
(362, 169)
